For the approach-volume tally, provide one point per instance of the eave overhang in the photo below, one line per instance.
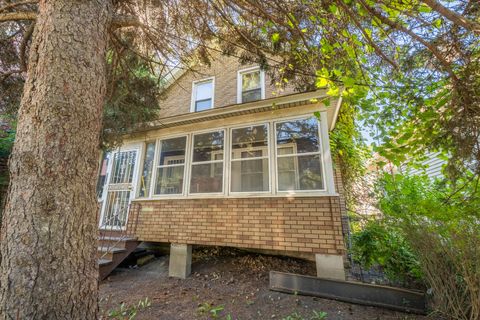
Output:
(295, 100)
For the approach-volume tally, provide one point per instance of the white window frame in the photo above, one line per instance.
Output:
(240, 73)
(268, 157)
(325, 158)
(212, 162)
(143, 150)
(194, 93)
(321, 152)
(156, 166)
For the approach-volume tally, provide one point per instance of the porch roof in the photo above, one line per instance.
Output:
(283, 102)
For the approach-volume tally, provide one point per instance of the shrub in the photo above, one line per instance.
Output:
(380, 243)
(441, 223)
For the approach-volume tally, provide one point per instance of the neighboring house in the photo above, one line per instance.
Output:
(431, 166)
(231, 161)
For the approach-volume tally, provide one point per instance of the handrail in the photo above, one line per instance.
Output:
(123, 233)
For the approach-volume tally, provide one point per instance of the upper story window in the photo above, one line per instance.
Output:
(251, 85)
(202, 96)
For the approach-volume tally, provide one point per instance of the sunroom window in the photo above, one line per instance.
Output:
(299, 165)
(251, 85)
(147, 169)
(171, 166)
(249, 162)
(202, 95)
(207, 163)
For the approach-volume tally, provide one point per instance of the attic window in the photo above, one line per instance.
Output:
(202, 98)
(251, 85)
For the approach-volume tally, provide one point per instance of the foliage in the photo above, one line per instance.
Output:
(349, 149)
(214, 312)
(129, 312)
(441, 223)
(7, 137)
(132, 97)
(317, 315)
(381, 243)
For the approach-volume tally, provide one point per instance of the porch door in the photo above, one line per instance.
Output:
(119, 190)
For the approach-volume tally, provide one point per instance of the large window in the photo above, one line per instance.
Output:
(249, 162)
(299, 165)
(251, 85)
(272, 158)
(202, 98)
(171, 166)
(207, 163)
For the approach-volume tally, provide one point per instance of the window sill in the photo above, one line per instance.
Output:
(240, 195)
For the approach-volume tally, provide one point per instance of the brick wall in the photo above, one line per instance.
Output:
(302, 224)
(177, 99)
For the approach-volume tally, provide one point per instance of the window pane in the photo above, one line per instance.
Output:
(172, 151)
(251, 95)
(203, 105)
(207, 178)
(203, 90)
(169, 180)
(250, 142)
(250, 175)
(298, 136)
(208, 146)
(146, 177)
(123, 165)
(102, 176)
(250, 80)
(300, 173)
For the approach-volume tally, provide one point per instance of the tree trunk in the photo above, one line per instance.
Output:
(48, 267)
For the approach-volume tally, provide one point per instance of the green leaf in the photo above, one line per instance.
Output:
(275, 37)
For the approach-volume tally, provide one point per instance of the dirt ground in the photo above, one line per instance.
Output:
(226, 285)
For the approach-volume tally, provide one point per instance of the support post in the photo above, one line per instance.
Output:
(330, 266)
(180, 265)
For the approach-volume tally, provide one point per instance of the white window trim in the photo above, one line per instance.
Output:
(325, 158)
(143, 150)
(267, 192)
(156, 166)
(194, 94)
(191, 163)
(320, 151)
(239, 82)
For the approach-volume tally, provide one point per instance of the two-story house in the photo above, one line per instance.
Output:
(231, 161)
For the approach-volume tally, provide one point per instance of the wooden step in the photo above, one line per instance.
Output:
(108, 252)
(104, 262)
(119, 242)
(112, 250)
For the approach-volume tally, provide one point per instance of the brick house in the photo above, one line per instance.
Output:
(231, 161)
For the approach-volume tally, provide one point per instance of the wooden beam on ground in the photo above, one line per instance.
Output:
(353, 292)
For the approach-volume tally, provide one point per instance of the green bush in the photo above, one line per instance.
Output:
(440, 221)
(379, 244)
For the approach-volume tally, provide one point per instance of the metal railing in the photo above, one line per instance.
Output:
(110, 229)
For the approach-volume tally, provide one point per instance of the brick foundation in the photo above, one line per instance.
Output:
(302, 224)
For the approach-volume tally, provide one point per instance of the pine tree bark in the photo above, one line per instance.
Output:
(48, 267)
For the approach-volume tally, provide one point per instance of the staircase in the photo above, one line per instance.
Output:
(112, 250)
(116, 245)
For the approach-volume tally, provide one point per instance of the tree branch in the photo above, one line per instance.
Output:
(453, 16)
(124, 21)
(397, 26)
(23, 46)
(17, 4)
(16, 16)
